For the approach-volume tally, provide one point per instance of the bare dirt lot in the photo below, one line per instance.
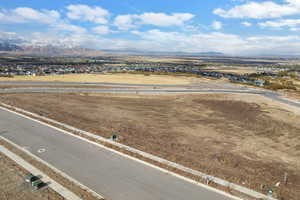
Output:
(245, 139)
(13, 187)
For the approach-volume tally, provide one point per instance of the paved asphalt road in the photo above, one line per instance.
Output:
(268, 94)
(110, 174)
(84, 83)
(46, 83)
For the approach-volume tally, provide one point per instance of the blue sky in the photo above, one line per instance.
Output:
(228, 26)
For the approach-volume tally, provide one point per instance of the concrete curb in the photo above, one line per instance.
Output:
(204, 176)
(67, 194)
(54, 169)
(125, 90)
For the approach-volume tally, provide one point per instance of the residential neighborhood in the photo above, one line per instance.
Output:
(10, 70)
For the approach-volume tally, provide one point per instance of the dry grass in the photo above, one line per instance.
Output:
(13, 187)
(108, 78)
(242, 138)
(293, 95)
(236, 70)
(158, 59)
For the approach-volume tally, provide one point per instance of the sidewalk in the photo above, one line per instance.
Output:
(67, 194)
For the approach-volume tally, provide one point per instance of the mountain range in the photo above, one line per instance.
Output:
(51, 50)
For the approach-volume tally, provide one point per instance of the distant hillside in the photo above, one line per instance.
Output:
(6, 46)
(49, 50)
(167, 53)
(9, 47)
(59, 51)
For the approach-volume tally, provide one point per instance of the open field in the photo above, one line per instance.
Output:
(108, 78)
(235, 70)
(245, 139)
(154, 59)
(13, 187)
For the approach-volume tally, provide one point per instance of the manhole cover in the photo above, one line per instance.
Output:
(41, 150)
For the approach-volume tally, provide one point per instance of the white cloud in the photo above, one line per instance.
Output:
(295, 29)
(136, 32)
(260, 10)
(28, 15)
(175, 41)
(64, 26)
(273, 38)
(220, 42)
(294, 2)
(61, 32)
(281, 23)
(126, 22)
(163, 20)
(247, 24)
(217, 25)
(86, 13)
(8, 35)
(51, 18)
(102, 30)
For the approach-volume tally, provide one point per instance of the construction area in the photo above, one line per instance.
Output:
(245, 139)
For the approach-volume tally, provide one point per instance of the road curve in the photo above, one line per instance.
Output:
(114, 176)
(45, 83)
(268, 94)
